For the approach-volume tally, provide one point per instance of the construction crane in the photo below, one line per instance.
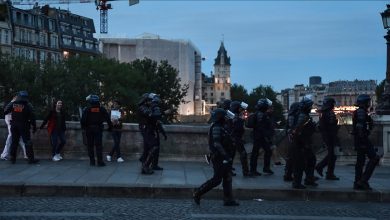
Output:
(101, 5)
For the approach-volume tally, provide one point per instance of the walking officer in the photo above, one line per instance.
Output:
(237, 132)
(362, 125)
(92, 122)
(328, 128)
(303, 155)
(262, 134)
(23, 119)
(291, 122)
(221, 160)
(150, 126)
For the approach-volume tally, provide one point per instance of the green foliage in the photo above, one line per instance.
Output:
(75, 78)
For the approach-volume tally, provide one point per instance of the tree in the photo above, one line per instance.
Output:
(239, 93)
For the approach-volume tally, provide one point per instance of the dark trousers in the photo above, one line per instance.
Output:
(364, 148)
(330, 159)
(151, 151)
(238, 145)
(288, 169)
(24, 132)
(94, 140)
(304, 160)
(56, 136)
(222, 173)
(116, 136)
(255, 154)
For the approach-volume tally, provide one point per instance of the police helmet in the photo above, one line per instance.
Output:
(363, 100)
(235, 106)
(218, 115)
(262, 105)
(328, 103)
(306, 104)
(154, 98)
(23, 94)
(269, 102)
(92, 99)
(225, 104)
(294, 108)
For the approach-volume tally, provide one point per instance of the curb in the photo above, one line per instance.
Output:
(152, 191)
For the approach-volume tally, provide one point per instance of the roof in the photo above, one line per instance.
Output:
(222, 56)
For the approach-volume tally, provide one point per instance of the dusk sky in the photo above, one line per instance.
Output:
(277, 43)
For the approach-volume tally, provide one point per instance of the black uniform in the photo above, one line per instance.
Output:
(362, 124)
(92, 122)
(237, 133)
(262, 134)
(303, 155)
(22, 120)
(328, 128)
(150, 127)
(291, 123)
(218, 145)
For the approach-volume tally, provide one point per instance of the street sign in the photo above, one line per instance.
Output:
(133, 2)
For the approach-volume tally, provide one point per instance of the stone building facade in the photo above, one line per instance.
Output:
(182, 55)
(216, 88)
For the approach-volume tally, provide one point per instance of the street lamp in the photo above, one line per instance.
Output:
(384, 105)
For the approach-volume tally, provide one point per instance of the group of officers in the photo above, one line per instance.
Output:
(226, 137)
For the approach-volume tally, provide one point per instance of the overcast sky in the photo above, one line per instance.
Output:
(277, 43)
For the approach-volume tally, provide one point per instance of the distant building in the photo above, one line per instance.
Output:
(5, 30)
(182, 55)
(45, 34)
(75, 32)
(216, 88)
(344, 92)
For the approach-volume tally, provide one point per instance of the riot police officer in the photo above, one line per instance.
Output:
(291, 122)
(150, 127)
(221, 160)
(23, 119)
(328, 128)
(362, 125)
(303, 155)
(237, 133)
(262, 134)
(92, 122)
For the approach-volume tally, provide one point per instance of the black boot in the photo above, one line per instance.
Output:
(196, 196)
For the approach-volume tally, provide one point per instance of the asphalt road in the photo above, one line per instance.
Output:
(44, 208)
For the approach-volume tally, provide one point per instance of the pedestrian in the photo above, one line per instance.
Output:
(328, 128)
(150, 125)
(92, 122)
(362, 126)
(56, 127)
(220, 159)
(303, 155)
(8, 142)
(237, 133)
(23, 119)
(117, 115)
(262, 134)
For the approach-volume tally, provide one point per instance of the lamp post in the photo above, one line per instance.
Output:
(384, 104)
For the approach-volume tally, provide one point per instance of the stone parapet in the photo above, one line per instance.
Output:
(188, 142)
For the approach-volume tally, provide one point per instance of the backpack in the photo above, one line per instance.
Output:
(250, 121)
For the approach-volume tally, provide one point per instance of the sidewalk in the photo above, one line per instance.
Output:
(77, 178)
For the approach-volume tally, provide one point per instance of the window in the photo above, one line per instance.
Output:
(211, 94)
(51, 25)
(43, 39)
(42, 57)
(53, 41)
(78, 42)
(222, 93)
(67, 40)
